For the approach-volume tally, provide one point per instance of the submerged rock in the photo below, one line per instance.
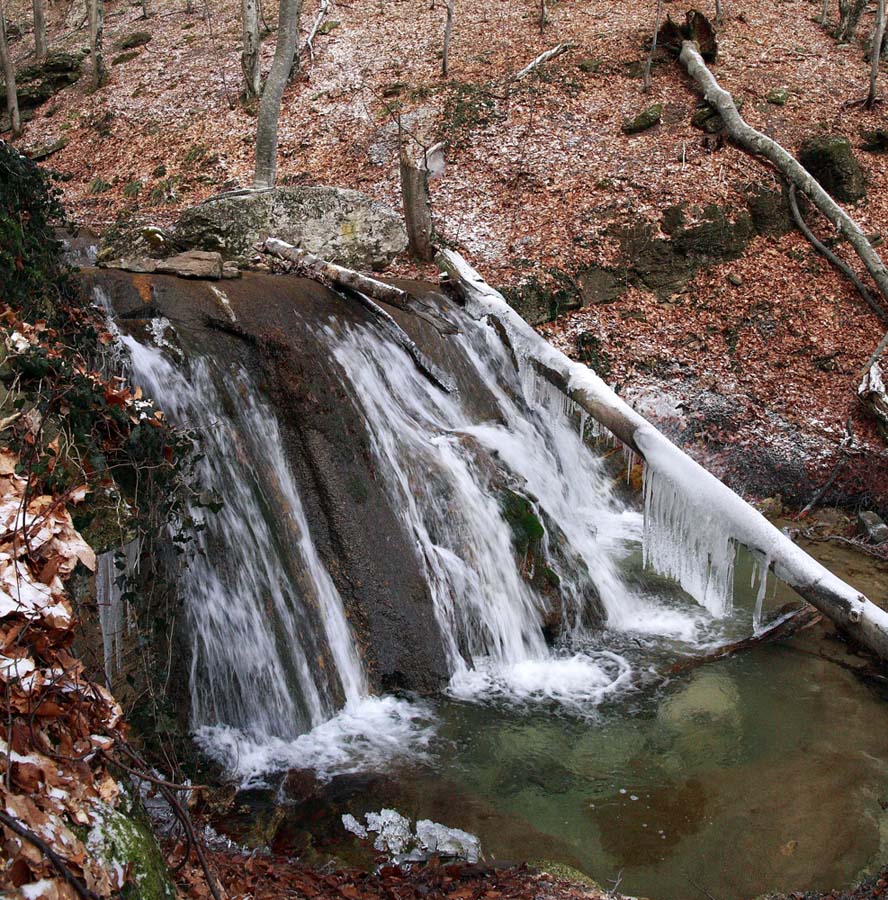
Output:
(830, 159)
(345, 226)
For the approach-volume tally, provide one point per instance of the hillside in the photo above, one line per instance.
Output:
(760, 348)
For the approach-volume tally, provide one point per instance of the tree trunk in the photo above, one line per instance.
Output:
(759, 144)
(824, 12)
(448, 31)
(876, 53)
(544, 15)
(718, 12)
(847, 607)
(850, 12)
(250, 48)
(417, 205)
(15, 118)
(96, 42)
(39, 29)
(650, 60)
(272, 94)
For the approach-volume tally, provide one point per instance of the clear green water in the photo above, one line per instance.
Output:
(765, 771)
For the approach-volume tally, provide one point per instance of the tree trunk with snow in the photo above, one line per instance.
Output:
(650, 60)
(15, 119)
(850, 12)
(97, 41)
(250, 47)
(273, 93)
(848, 608)
(760, 144)
(39, 29)
(448, 32)
(876, 53)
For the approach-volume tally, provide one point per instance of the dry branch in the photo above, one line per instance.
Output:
(362, 288)
(760, 144)
(824, 251)
(850, 610)
(543, 58)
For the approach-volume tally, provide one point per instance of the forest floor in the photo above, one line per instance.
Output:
(538, 180)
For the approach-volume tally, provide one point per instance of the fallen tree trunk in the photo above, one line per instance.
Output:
(760, 144)
(874, 397)
(356, 286)
(848, 608)
(322, 270)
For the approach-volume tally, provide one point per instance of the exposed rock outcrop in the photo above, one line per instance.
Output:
(345, 226)
(830, 159)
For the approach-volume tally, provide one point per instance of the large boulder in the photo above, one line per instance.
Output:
(830, 159)
(344, 226)
(39, 81)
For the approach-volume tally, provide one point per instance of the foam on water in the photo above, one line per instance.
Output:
(369, 734)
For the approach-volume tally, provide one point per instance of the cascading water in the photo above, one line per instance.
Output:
(447, 472)
(275, 676)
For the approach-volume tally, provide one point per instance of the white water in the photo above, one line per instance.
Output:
(445, 469)
(276, 681)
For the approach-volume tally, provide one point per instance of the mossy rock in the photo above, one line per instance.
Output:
(590, 65)
(777, 96)
(715, 236)
(519, 512)
(769, 210)
(707, 118)
(875, 141)
(136, 39)
(646, 119)
(564, 872)
(124, 839)
(125, 57)
(830, 159)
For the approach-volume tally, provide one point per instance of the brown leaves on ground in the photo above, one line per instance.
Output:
(274, 878)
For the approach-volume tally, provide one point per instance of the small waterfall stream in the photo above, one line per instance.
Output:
(276, 678)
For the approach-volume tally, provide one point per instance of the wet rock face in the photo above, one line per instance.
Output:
(345, 226)
(830, 159)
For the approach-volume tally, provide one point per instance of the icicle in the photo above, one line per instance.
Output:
(688, 542)
(761, 564)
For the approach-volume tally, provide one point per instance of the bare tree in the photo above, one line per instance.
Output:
(39, 29)
(448, 31)
(9, 76)
(876, 53)
(650, 59)
(850, 12)
(273, 92)
(718, 12)
(824, 13)
(250, 49)
(97, 41)
(544, 15)
(415, 175)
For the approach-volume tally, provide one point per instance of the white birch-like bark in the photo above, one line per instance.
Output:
(650, 60)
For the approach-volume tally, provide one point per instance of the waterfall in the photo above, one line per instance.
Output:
(518, 527)
(444, 467)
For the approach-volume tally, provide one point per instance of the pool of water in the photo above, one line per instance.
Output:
(763, 771)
